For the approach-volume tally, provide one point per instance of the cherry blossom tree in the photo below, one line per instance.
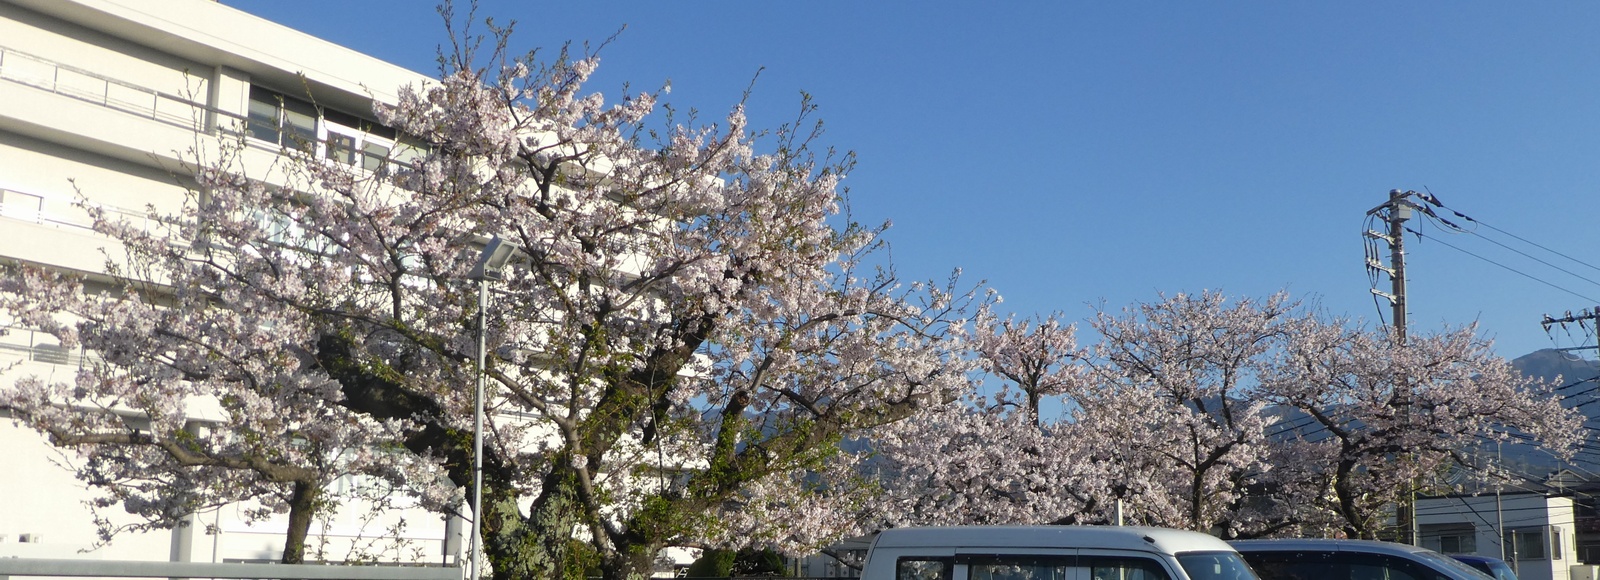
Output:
(1161, 421)
(993, 459)
(1037, 357)
(975, 462)
(688, 333)
(187, 406)
(1244, 417)
(1173, 403)
(1384, 413)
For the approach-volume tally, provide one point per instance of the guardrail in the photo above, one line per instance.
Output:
(61, 568)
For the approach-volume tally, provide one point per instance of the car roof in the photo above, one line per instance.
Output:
(1476, 558)
(1289, 545)
(1104, 537)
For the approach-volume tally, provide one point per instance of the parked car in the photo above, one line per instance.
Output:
(1051, 553)
(1495, 567)
(1311, 559)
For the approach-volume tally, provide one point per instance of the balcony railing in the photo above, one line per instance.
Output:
(24, 345)
(23, 68)
(61, 213)
(348, 145)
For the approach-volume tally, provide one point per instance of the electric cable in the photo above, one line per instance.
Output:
(1508, 268)
(1531, 257)
(1430, 199)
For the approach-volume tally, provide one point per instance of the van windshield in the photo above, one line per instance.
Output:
(1215, 566)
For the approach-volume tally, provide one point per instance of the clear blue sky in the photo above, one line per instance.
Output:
(1078, 152)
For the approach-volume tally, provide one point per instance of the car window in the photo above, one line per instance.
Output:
(1215, 566)
(1019, 567)
(1295, 565)
(1121, 568)
(1502, 571)
(1386, 567)
(922, 569)
(1441, 561)
(1377, 567)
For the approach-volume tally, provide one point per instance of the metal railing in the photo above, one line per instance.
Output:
(38, 72)
(69, 81)
(64, 568)
(35, 346)
(34, 208)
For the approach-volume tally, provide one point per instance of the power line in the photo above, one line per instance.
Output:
(1531, 257)
(1432, 200)
(1508, 268)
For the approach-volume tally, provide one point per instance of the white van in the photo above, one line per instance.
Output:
(1051, 553)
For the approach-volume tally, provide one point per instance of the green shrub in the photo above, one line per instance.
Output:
(713, 563)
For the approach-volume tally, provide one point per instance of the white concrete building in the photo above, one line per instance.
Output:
(1535, 533)
(102, 98)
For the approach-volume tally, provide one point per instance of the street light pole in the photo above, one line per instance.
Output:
(477, 428)
(491, 263)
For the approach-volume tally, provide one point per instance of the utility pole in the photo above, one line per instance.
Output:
(1395, 212)
(1499, 510)
(1584, 319)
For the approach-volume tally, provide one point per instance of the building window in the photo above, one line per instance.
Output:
(344, 138)
(1450, 538)
(282, 120)
(1465, 544)
(1541, 543)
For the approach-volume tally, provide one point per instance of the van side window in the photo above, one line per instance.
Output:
(922, 569)
(1117, 568)
(1019, 567)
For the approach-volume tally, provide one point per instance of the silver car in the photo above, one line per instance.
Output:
(1312, 559)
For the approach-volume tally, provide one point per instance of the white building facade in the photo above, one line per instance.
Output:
(104, 101)
(1534, 533)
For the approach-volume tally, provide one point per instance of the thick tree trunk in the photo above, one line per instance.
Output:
(302, 507)
(1354, 522)
(1197, 503)
(538, 547)
(630, 562)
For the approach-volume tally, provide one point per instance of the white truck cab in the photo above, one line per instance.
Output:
(1051, 553)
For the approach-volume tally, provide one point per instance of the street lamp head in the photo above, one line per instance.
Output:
(492, 261)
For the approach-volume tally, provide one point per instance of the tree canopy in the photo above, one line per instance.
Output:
(689, 330)
(1244, 417)
(693, 346)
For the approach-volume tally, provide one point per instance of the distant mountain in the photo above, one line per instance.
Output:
(1551, 364)
(1576, 376)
